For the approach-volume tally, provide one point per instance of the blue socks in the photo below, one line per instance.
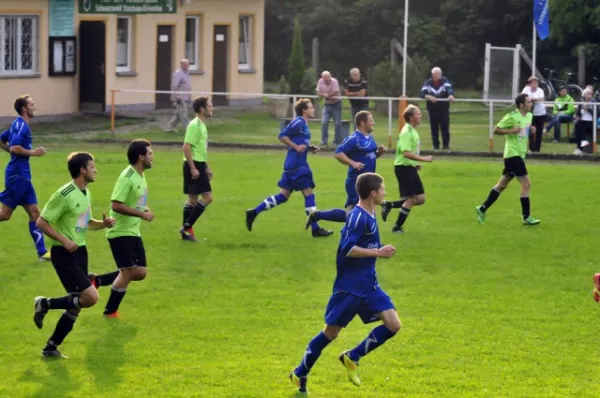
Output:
(377, 337)
(337, 215)
(38, 238)
(311, 205)
(270, 202)
(313, 352)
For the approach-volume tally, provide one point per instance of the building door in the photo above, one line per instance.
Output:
(164, 62)
(220, 64)
(92, 61)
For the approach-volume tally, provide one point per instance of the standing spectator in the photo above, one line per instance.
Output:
(537, 96)
(329, 89)
(564, 111)
(438, 87)
(584, 121)
(183, 84)
(356, 87)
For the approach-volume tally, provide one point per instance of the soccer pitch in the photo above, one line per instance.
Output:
(492, 310)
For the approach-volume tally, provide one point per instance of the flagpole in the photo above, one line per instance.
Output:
(404, 50)
(533, 58)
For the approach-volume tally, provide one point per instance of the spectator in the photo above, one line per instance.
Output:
(356, 87)
(438, 87)
(564, 111)
(584, 121)
(539, 113)
(329, 89)
(181, 82)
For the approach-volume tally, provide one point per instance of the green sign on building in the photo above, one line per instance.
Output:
(127, 6)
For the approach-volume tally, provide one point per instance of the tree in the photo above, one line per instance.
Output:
(296, 63)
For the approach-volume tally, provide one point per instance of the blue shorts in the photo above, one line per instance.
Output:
(342, 307)
(351, 194)
(18, 192)
(297, 180)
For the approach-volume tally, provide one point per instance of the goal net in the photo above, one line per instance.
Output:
(502, 71)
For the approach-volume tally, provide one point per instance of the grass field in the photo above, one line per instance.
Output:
(494, 310)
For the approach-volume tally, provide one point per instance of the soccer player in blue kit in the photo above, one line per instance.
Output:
(18, 189)
(359, 152)
(355, 290)
(297, 175)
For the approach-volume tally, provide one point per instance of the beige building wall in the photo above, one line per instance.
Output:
(60, 95)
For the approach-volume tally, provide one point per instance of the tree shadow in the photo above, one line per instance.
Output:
(56, 383)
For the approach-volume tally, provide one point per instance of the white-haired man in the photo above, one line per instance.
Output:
(182, 84)
(356, 87)
(329, 89)
(438, 87)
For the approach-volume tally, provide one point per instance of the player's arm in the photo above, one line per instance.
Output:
(4, 141)
(406, 142)
(190, 136)
(50, 214)
(106, 222)
(349, 248)
(287, 133)
(506, 127)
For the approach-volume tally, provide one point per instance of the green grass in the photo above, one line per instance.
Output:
(499, 310)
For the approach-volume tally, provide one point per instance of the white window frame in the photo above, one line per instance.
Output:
(19, 71)
(128, 67)
(247, 28)
(195, 61)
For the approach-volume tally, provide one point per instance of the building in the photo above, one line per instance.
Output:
(69, 54)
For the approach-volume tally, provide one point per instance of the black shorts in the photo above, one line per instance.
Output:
(199, 186)
(128, 251)
(409, 181)
(71, 268)
(514, 167)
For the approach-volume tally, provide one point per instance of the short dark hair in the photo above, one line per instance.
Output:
(521, 99)
(367, 183)
(301, 105)
(409, 112)
(78, 160)
(136, 148)
(200, 102)
(20, 103)
(361, 117)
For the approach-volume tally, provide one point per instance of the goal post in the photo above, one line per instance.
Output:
(502, 72)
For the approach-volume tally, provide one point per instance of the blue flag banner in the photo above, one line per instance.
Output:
(541, 18)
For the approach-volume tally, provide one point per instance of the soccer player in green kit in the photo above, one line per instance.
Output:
(66, 219)
(128, 207)
(515, 127)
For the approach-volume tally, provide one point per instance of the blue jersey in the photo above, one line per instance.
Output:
(359, 148)
(18, 134)
(357, 275)
(297, 131)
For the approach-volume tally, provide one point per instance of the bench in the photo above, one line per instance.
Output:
(345, 124)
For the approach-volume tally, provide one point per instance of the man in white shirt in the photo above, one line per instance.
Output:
(537, 96)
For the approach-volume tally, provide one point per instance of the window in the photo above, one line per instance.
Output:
(124, 44)
(192, 41)
(245, 60)
(18, 44)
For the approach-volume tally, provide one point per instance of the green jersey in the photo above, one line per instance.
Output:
(516, 144)
(69, 211)
(408, 141)
(197, 136)
(131, 190)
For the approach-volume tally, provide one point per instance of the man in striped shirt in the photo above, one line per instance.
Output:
(438, 87)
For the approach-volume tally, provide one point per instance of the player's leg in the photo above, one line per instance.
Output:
(5, 212)
(596, 292)
(203, 191)
(10, 198)
(387, 206)
(286, 189)
(525, 202)
(412, 189)
(336, 215)
(310, 206)
(507, 175)
(71, 269)
(33, 212)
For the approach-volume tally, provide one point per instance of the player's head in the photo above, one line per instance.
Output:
(364, 121)
(24, 106)
(523, 102)
(369, 186)
(304, 107)
(533, 82)
(412, 115)
(203, 106)
(81, 164)
(140, 150)
(562, 91)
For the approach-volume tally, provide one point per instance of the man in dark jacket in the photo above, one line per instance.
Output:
(438, 87)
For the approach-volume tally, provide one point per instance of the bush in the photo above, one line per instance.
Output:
(283, 87)
(386, 78)
(296, 61)
(309, 82)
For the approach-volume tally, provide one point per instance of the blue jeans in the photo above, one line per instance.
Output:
(555, 123)
(330, 110)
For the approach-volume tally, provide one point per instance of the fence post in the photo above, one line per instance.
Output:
(390, 117)
(491, 128)
(581, 65)
(402, 104)
(315, 54)
(595, 133)
(112, 112)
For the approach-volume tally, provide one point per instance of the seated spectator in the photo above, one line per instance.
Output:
(563, 112)
(584, 122)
